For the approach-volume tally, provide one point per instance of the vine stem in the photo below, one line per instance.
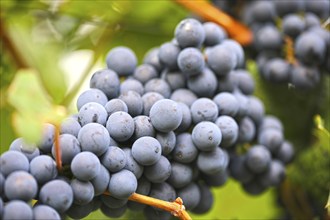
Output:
(290, 50)
(176, 207)
(58, 152)
(235, 29)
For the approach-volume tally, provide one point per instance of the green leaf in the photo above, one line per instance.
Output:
(32, 105)
(44, 57)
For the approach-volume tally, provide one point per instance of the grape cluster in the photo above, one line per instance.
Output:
(176, 125)
(291, 41)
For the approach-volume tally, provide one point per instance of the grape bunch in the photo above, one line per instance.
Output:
(180, 123)
(291, 42)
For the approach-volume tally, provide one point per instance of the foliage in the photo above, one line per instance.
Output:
(43, 32)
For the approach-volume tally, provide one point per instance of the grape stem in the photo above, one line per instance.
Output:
(235, 29)
(290, 50)
(58, 152)
(176, 207)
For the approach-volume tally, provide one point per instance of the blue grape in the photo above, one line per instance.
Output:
(175, 79)
(146, 150)
(186, 118)
(287, 7)
(131, 84)
(311, 20)
(131, 164)
(11, 161)
(151, 213)
(216, 179)
(237, 49)
(151, 58)
(245, 82)
(143, 127)
(304, 77)
(268, 38)
(29, 150)
(144, 186)
(165, 115)
(158, 172)
(57, 194)
(113, 213)
(221, 59)
(91, 95)
(310, 48)
(149, 99)
(181, 175)
(79, 211)
(253, 187)
(204, 84)
(158, 85)
(120, 126)
(43, 168)
(227, 83)
(206, 200)
(101, 181)
(190, 195)
(122, 60)
(107, 81)
(122, 184)
(20, 185)
(114, 159)
(204, 109)
(274, 175)
(270, 121)
(185, 150)
(70, 147)
(320, 8)
(184, 95)
(243, 104)
(70, 126)
(263, 11)
(214, 34)
(167, 141)
(229, 130)
(115, 105)
(94, 137)
(85, 166)
(92, 112)
(191, 61)
(258, 159)
(168, 53)
(285, 152)
(47, 138)
(212, 162)
(271, 138)
(42, 212)
(133, 101)
(206, 136)
(247, 130)
(113, 202)
(145, 72)
(83, 191)
(189, 33)
(293, 25)
(227, 104)
(17, 210)
(277, 70)
(2, 183)
(238, 169)
(163, 191)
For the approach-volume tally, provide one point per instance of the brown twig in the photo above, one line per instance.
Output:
(58, 152)
(176, 207)
(289, 50)
(235, 29)
(10, 47)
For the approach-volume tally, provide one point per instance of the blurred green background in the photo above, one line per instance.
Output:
(49, 49)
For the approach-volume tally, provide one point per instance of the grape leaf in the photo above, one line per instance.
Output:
(32, 105)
